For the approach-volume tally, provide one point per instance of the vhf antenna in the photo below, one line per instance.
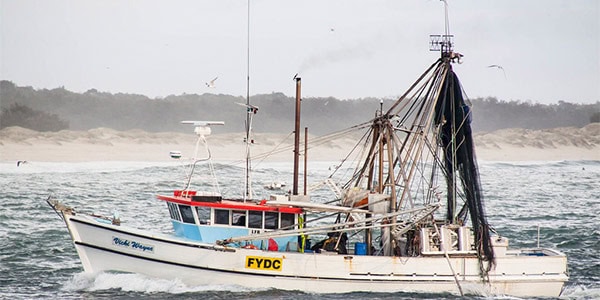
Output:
(443, 42)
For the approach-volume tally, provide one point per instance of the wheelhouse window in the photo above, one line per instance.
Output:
(287, 221)
(271, 220)
(186, 214)
(248, 218)
(238, 218)
(203, 214)
(174, 211)
(222, 216)
(255, 219)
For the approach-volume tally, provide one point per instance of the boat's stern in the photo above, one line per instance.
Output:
(532, 271)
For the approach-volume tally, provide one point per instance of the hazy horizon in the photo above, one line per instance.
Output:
(549, 50)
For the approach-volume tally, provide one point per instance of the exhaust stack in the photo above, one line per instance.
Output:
(297, 135)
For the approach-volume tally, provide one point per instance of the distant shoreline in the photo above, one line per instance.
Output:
(103, 144)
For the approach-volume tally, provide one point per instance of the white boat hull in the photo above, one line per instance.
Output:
(106, 247)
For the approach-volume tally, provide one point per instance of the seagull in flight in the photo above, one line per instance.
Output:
(211, 84)
(498, 67)
(21, 162)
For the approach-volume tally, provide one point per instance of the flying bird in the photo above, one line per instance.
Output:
(21, 162)
(498, 67)
(211, 84)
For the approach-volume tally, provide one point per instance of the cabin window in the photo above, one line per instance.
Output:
(170, 210)
(203, 214)
(222, 216)
(287, 221)
(271, 220)
(186, 214)
(238, 218)
(255, 219)
(173, 211)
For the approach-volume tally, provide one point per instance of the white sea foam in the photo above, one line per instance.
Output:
(75, 167)
(140, 283)
(581, 292)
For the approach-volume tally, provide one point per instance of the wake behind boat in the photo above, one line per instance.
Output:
(407, 216)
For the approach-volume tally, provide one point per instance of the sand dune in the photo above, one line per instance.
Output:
(135, 145)
(567, 143)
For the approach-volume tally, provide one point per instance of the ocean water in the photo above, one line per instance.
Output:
(38, 260)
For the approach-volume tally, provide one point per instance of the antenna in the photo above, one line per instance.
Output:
(248, 188)
(447, 22)
(443, 42)
(202, 130)
(248, 58)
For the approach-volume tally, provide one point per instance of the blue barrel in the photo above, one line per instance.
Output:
(360, 249)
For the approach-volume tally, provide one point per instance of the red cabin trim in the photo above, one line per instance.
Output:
(228, 204)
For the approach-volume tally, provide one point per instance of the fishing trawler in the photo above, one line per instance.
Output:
(408, 218)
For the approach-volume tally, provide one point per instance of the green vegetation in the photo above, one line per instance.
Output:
(26, 117)
(595, 117)
(94, 109)
(491, 114)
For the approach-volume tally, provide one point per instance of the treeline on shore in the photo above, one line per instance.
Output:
(58, 109)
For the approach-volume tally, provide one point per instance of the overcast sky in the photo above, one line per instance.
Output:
(549, 50)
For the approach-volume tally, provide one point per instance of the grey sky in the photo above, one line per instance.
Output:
(550, 50)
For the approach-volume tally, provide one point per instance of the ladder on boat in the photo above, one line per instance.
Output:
(336, 189)
(405, 225)
(329, 183)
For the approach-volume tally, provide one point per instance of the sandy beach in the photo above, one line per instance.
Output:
(103, 144)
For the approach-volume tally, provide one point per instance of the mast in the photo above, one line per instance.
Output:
(248, 188)
(455, 139)
(445, 45)
(297, 136)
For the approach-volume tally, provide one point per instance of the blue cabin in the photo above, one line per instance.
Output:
(210, 218)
